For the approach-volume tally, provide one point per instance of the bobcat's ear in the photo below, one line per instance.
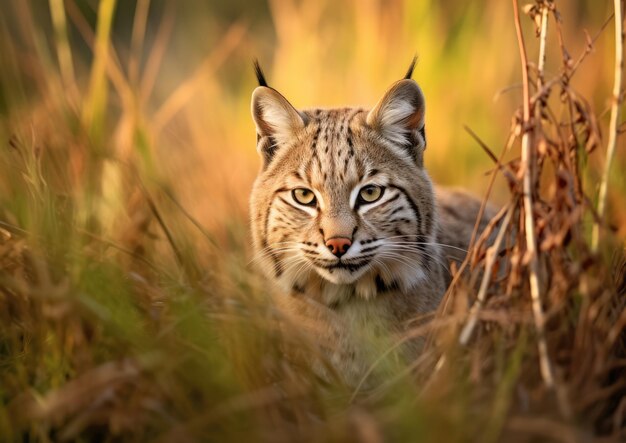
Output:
(276, 120)
(399, 115)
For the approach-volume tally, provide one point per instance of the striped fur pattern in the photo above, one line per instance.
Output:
(393, 270)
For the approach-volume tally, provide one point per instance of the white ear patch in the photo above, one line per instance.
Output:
(392, 121)
(274, 116)
(399, 115)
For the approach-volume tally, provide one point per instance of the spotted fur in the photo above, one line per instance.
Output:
(394, 268)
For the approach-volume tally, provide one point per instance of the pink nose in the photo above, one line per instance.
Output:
(338, 245)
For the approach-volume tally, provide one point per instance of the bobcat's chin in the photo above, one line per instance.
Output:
(342, 275)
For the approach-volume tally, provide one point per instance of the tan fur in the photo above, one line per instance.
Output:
(458, 212)
(395, 268)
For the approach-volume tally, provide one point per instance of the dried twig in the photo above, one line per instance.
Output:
(502, 167)
(529, 224)
(492, 254)
(542, 46)
(613, 126)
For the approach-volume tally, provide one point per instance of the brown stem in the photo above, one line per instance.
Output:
(529, 223)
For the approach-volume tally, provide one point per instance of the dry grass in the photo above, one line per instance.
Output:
(127, 308)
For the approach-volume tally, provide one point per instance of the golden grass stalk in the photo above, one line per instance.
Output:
(137, 38)
(156, 54)
(112, 67)
(93, 111)
(64, 53)
(616, 100)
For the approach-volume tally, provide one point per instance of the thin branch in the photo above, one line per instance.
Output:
(542, 46)
(492, 254)
(529, 223)
(503, 168)
(613, 125)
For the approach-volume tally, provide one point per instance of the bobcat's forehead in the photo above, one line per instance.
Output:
(332, 162)
(324, 153)
(335, 152)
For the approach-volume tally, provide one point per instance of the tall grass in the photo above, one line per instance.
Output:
(128, 309)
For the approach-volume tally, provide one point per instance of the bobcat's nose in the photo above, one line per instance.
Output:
(338, 245)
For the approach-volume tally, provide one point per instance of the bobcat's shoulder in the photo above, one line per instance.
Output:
(458, 212)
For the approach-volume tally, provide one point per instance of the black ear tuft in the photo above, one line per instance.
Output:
(409, 72)
(259, 74)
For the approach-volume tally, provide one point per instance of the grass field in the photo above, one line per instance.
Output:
(128, 307)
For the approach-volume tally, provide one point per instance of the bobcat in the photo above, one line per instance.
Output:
(346, 222)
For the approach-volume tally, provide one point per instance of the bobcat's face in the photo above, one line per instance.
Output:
(343, 194)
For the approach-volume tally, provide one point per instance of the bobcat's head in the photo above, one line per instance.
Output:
(343, 198)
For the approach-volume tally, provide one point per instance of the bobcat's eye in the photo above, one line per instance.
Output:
(370, 193)
(303, 196)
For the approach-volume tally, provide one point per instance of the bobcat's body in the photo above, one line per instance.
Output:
(346, 222)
